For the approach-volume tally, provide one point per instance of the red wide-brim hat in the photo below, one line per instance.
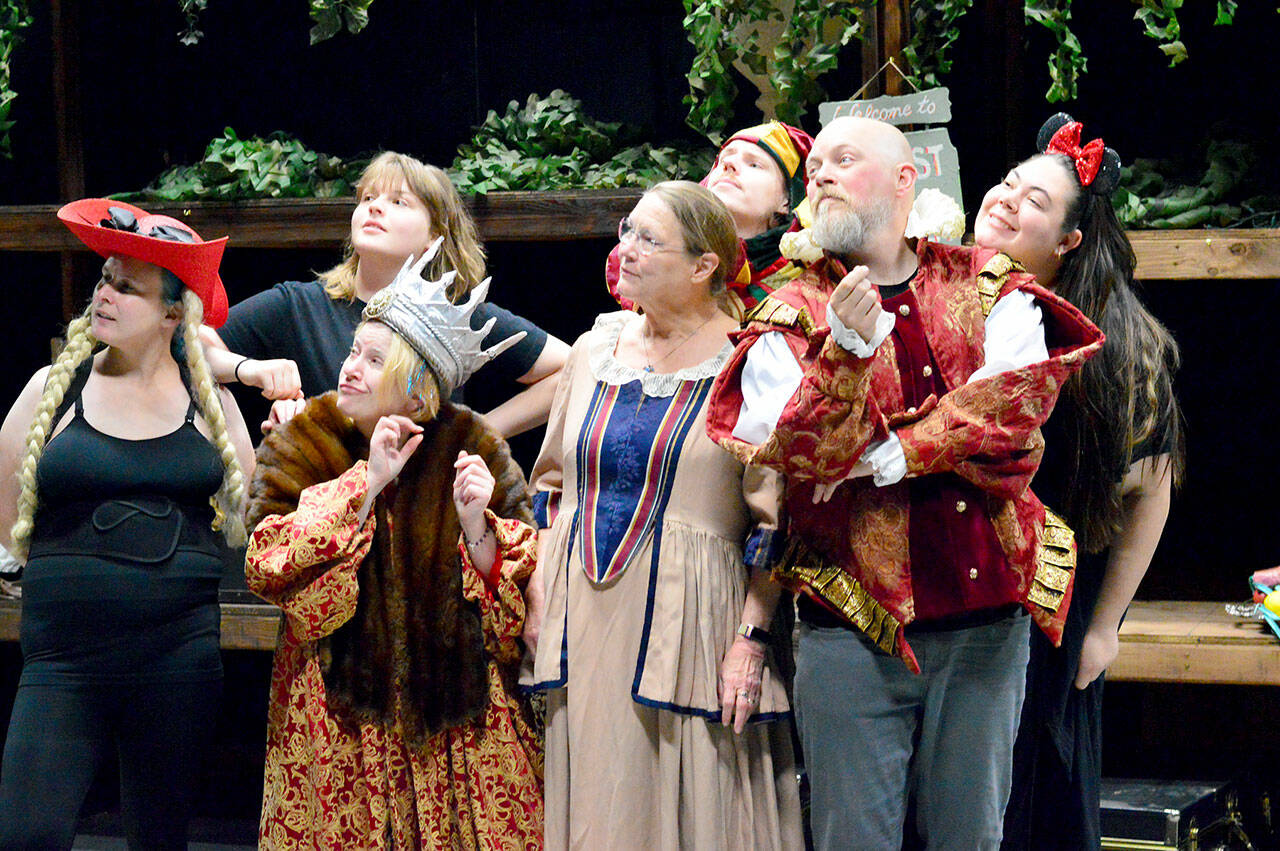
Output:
(156, 239)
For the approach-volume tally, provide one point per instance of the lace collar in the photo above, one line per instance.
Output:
(605, 367)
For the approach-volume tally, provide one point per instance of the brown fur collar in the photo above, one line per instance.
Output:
(412, 630)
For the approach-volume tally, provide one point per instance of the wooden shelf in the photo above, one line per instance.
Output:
(245, 626)
(559, 216)
(1193, 642)
(1207, 254)
(325, 223)
(1161, 641)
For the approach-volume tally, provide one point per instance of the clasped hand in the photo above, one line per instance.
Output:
(278, 378)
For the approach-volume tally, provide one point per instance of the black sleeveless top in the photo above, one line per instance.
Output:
(121, 584)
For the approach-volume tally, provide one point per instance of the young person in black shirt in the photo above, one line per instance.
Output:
(291, 340)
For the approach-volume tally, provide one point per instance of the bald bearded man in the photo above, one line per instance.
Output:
(901, 385)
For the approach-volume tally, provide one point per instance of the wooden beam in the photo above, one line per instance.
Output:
(872, 59)
(314, 223)
(1207, 254)
(895, 31)
(1187, 255)
(1001, 58)
(69, 125)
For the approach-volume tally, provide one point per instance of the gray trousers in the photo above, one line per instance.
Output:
(875, 734)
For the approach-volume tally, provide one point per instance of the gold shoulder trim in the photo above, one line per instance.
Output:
(772, 311)
(840, 591)
(992, 279)
(1055, 562)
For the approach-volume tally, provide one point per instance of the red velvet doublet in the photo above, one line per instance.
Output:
(962, 532)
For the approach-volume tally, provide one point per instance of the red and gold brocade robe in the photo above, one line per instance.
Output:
(853, 553)
(334, 784)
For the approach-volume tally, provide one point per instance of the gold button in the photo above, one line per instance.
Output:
(911, 410)
(905, 310)
(961, 505)
(928, 371)
(973, 573)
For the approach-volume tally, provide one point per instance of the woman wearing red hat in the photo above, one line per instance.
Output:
(1113, 451)
(759, 175)
(291, 340)
(124, 470)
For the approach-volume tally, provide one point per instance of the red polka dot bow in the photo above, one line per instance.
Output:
(1088, 159)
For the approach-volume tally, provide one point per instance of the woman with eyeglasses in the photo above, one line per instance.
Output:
(653, 589)
(291, 340)
(123, 468)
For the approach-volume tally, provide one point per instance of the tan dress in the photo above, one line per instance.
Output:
(645, 583)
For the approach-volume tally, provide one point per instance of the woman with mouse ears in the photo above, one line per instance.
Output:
(122, 482)
(1113, 453)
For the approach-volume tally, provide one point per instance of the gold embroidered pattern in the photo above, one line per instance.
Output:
(773, 311)
(840, 591)
(1055, 563)
(992, 279)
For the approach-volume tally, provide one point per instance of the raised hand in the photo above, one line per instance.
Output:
(472, 490)
(856, 302)
(394, 439)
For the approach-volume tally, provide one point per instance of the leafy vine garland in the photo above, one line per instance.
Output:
(731, 34)
(782, 46)
(14, 17)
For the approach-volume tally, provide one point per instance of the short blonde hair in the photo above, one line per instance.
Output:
(406, 372)
(461, 251)
(705, 224)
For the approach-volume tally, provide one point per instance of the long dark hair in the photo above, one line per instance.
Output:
(1123, 397)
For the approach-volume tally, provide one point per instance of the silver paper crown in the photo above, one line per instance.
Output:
(419, 310)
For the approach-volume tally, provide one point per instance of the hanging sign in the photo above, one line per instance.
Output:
(937, 162)
(932, 106)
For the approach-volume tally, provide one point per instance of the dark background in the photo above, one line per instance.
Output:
(423, 73)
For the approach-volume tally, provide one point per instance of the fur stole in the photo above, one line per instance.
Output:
(413, 633)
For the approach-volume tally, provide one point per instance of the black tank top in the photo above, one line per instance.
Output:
(122, 579)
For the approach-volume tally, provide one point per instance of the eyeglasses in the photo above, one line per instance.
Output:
(645, 243)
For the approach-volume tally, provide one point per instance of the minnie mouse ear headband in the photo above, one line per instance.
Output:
(115, 227)
(788, 146)
(1097, 166)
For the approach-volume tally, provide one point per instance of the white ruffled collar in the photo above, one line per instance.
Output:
(605, 367)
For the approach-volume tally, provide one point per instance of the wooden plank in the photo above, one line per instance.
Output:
(245, 626)
(326, 223)
(10, 617)
(249, 626)
(1194, 642)
(1207, 254)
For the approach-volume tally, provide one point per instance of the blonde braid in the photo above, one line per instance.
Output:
(79, 346)
(228, 503)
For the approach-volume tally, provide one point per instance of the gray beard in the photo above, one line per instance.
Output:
(846, 232)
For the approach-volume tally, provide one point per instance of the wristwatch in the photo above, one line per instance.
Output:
(755, 633)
